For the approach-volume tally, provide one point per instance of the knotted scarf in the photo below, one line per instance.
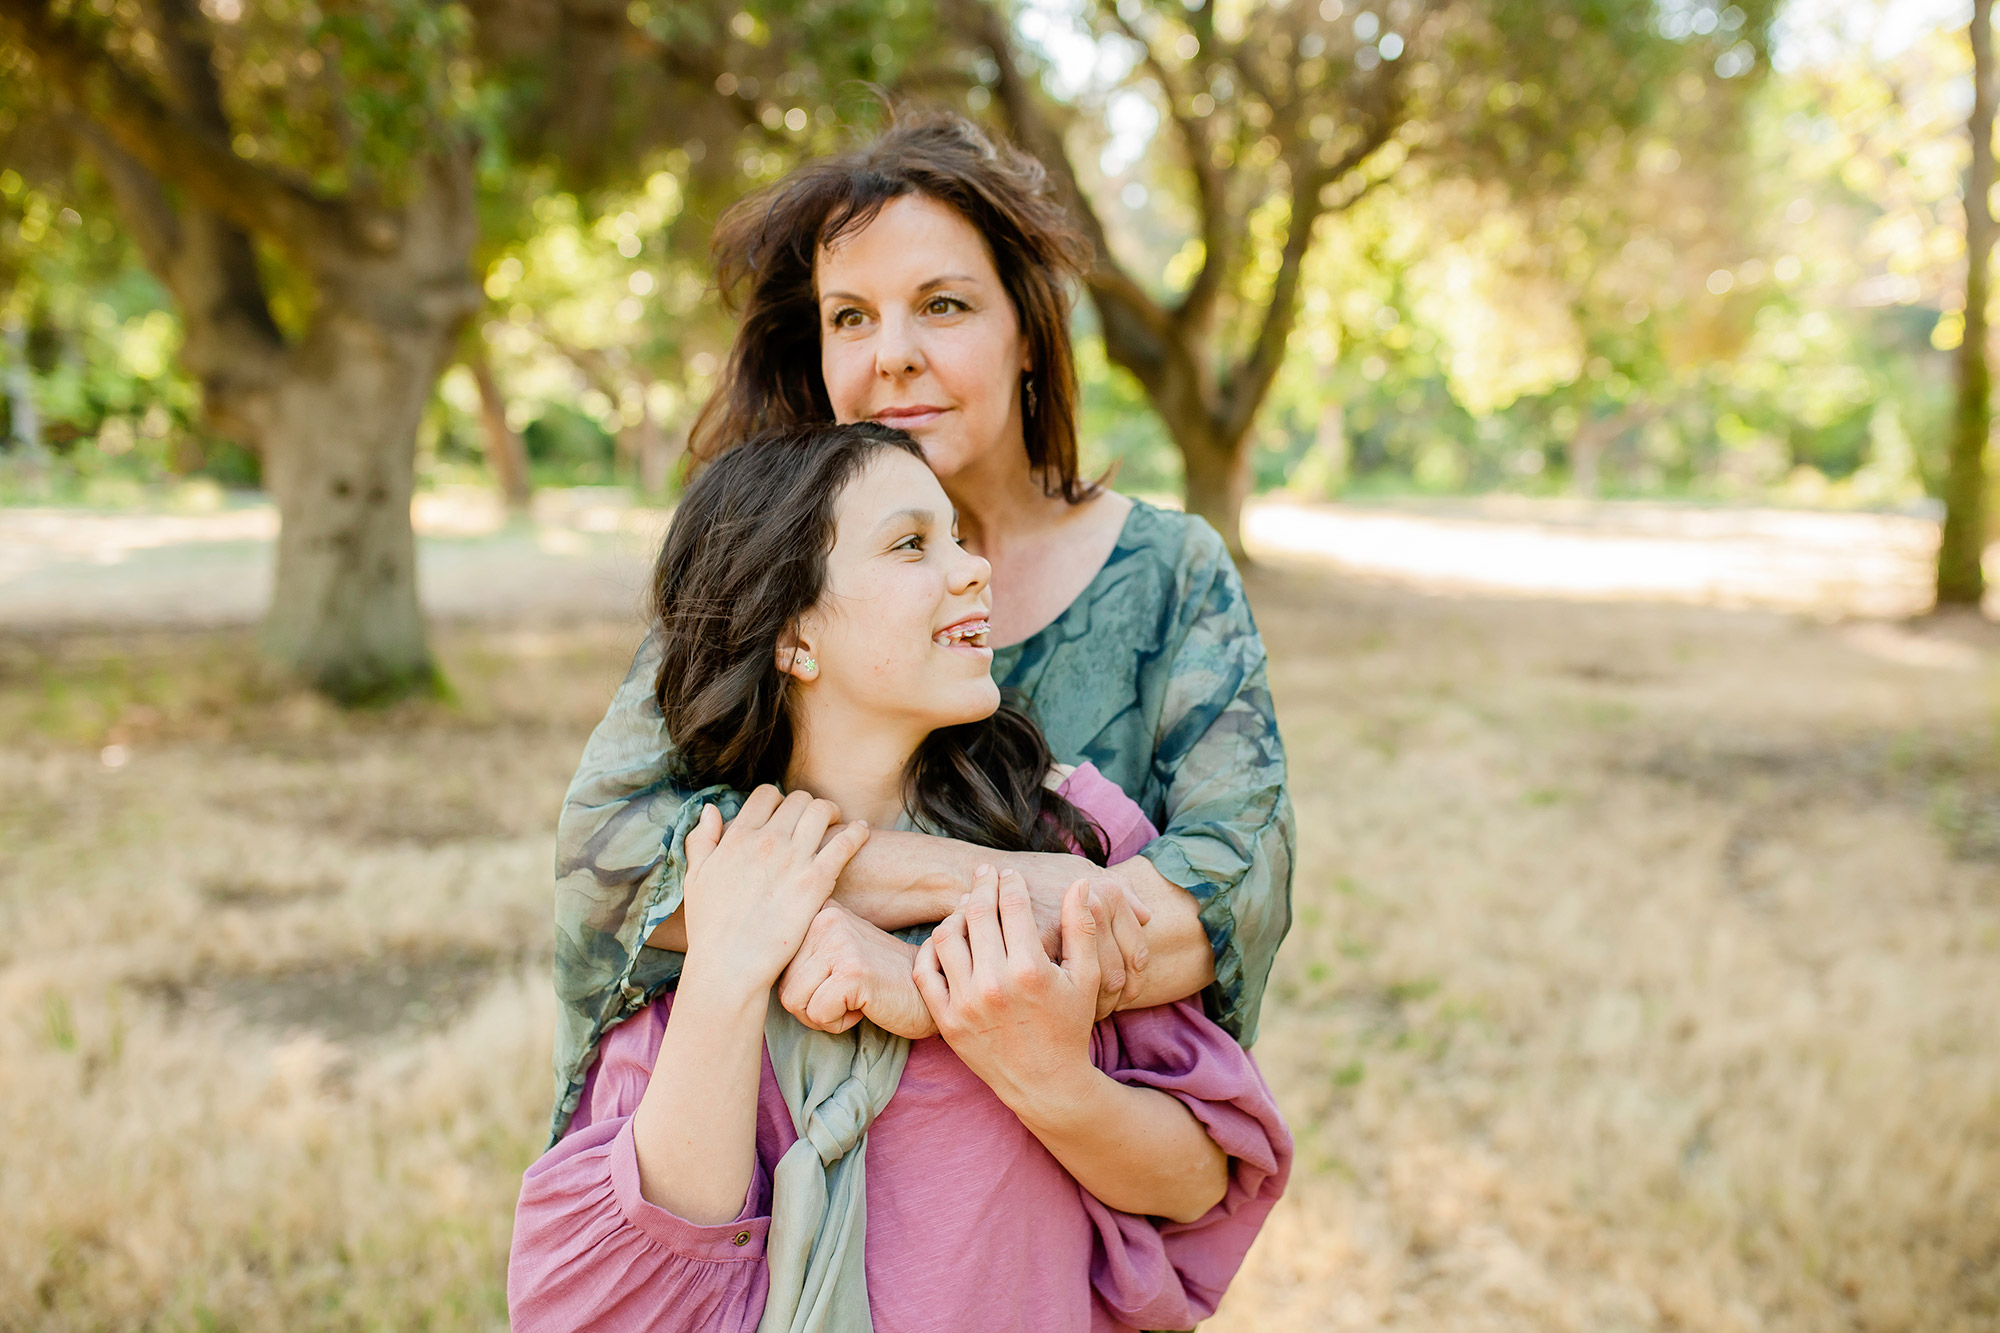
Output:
(834, 1084)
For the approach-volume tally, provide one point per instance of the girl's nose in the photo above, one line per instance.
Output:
(972, 573)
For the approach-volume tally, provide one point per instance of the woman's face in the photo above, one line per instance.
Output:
(916, 332)
(900, 631)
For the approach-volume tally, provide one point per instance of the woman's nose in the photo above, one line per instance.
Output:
(897, 352)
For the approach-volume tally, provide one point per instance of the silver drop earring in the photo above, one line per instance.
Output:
(1028, 392)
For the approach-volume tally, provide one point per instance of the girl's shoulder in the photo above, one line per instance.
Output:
(1124, 825)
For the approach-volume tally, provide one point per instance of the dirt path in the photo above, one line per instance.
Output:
(584, 555)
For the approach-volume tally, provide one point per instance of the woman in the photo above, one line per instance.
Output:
(819, 626)
(922, 282)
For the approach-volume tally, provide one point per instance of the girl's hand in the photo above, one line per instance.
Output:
(752, 890)
(849, 970)
(1019, 1021)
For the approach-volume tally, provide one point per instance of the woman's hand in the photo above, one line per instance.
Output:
(752, 890)
(1121, 949)
(1019, 1021)
(848, 970)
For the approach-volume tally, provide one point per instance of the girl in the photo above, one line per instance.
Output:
(1026, 1166)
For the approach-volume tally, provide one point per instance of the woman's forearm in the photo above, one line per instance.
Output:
(1137, 1150)
(695, 1131)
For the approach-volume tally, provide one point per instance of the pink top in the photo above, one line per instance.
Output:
(971, 1222)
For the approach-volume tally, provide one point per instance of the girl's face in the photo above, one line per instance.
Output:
(899, 633)
(916, 332)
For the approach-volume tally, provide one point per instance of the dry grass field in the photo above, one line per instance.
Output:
(1645, 974)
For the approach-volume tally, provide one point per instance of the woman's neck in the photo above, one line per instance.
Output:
(858, 765)
(1000, 502)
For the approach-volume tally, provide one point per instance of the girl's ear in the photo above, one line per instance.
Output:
(795, 657)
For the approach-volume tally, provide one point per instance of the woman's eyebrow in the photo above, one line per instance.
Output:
(943, 280)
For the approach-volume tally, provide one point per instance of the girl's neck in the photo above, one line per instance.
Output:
(859, 766)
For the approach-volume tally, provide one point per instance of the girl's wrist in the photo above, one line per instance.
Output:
(1054, 1100)
(722, 993)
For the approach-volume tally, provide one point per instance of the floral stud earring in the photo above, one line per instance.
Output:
(807, 665)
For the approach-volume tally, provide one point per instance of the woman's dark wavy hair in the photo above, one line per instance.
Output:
(744, 559)
(765, 246)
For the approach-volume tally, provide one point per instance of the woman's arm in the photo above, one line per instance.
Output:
(1228, 833)
(1023, 1024)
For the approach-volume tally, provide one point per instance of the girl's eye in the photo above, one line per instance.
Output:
(909, 543)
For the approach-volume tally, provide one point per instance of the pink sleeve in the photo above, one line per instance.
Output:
(590, 1255)
(1124, 825)
(1152, 1273)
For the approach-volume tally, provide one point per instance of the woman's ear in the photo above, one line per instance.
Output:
(795, 657)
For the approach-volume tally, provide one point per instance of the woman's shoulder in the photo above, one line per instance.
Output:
(1177, 552)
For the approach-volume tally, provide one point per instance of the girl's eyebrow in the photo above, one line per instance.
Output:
(923, 518)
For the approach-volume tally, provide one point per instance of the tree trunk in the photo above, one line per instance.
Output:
(339, 441)
(1218, 478)
(1960, 579)
(506, 454)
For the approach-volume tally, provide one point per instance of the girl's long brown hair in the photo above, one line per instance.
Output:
(744, 558)
(765, 247)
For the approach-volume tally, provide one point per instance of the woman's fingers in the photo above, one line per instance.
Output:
(1081, 931)
(930, 979)
(982, 922)
(1127, 930)
(830, 1008)
(953, 953)
(1017, 921)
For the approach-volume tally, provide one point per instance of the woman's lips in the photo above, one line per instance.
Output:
(909, 418)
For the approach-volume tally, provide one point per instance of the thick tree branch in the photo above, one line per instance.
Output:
(171, 144)
(1219, 233)
(1251, 378)
(1137, 314)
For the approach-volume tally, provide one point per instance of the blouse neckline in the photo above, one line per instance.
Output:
(1089, 589)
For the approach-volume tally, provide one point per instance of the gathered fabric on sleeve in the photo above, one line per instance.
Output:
(1154, 1273)
(620, 857)
(591, 1255)
(1229, 833)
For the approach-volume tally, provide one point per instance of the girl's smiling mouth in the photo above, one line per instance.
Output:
(969, 633)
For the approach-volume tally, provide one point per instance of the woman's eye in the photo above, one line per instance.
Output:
(944, 305)
(847, 318)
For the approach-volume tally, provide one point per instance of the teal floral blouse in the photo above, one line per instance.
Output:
(1155, 673)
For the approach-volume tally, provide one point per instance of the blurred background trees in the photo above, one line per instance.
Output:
(1354, 248)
